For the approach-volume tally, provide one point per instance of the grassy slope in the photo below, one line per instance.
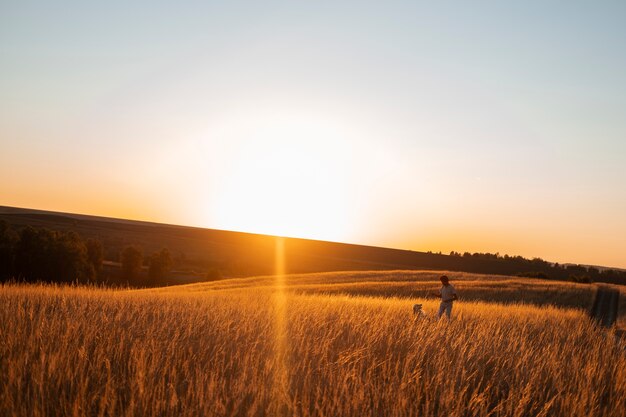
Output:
(251, 349)
(196, 250)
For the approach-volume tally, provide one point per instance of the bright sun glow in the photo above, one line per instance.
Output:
(290, 176)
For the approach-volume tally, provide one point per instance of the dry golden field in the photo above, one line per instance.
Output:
(273, 346)
(416, 284)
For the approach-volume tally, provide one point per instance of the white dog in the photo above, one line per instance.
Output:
(417, 310)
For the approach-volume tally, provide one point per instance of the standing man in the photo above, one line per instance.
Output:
(447, 294)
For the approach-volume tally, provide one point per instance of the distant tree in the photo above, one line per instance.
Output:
(132, 260)
(8, 240)
(577, 270)
(95, 253)
(70, 258)
(30, 259)
(160, 264)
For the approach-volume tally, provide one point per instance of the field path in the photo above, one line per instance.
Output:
(604, 309)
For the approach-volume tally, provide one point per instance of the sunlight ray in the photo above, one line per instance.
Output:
(281, 373)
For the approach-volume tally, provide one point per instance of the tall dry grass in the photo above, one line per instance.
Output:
(68, 351)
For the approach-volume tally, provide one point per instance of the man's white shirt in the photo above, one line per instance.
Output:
(447, 291)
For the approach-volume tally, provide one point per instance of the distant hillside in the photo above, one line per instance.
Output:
(246, 254)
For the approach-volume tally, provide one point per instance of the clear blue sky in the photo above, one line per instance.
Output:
(480, 126)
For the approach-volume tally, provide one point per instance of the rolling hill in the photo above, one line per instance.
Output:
(239, 254)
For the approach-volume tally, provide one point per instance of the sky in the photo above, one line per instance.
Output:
(483, 126)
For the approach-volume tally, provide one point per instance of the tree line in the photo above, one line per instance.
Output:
(538, 268)
(38, 254)
(42, 255)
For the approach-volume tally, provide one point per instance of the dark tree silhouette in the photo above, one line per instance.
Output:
(132, 260)
(8, 240)
(45, 255)
(95, 253)
(160, 265)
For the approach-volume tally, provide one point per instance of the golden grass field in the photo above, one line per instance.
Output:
(299, 345)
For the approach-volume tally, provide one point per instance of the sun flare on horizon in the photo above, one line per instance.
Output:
(290, 176)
